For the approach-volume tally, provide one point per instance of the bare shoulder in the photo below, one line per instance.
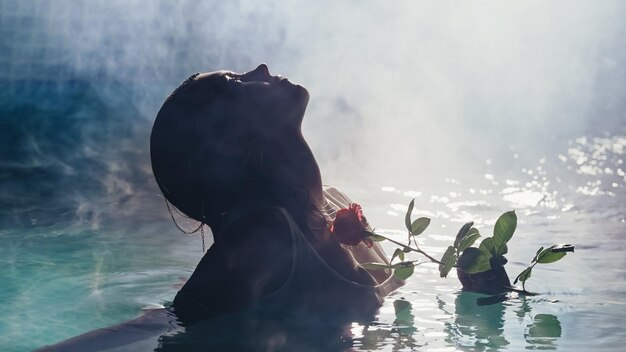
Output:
(251, 258)
(251, 243)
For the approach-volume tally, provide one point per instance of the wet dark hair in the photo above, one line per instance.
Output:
(203, 170)
(191, 172)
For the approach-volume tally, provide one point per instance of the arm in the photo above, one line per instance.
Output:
(251, 258)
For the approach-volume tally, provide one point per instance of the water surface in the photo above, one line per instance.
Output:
(59, 282)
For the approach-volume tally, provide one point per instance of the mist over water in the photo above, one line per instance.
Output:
(473, 109)
(401, 92)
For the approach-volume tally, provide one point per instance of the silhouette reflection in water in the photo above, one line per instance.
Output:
(480, 326)
(254, 331)
(543, 332)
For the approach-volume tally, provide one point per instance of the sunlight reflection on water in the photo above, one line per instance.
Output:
(561, 195)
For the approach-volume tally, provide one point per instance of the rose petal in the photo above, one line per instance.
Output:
(349, 226)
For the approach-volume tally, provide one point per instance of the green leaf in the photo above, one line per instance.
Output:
(505, 227)
(547, 256)
(463, 232)
(469, 240)
(402, 264)
(524, 275)
(472, 231)
(473, 260)
(448, 259)
(418, 226)
(407, 218)
(374, 237)
(562, 248)
(375, 266)
(403, 272)
(397, 253)
(449, 253)
(489, 245)
(502, 250)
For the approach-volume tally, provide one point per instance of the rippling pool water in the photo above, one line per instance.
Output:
(60, 282)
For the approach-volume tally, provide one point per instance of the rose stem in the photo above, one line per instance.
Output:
(413, 249)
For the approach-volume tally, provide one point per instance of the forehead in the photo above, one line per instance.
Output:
(216, 74)
(212, 82)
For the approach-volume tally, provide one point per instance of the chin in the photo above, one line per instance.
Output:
(299, 97)
(303, 95)
(297, 89)
(294, 103)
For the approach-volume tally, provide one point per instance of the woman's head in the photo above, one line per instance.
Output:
(223, 137)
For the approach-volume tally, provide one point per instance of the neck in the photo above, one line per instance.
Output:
(311, 175)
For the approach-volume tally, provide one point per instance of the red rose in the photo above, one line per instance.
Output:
(349, 226)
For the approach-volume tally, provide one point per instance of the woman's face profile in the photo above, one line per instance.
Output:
(264, 102)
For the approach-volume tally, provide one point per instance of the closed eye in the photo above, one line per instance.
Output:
(233, 76)
(245, 78)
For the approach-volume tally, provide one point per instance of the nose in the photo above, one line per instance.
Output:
(262, 72)
(263, 69)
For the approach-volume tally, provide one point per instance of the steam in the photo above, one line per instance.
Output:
(401, 92)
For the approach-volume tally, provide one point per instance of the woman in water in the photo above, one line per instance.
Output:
(227, 150)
